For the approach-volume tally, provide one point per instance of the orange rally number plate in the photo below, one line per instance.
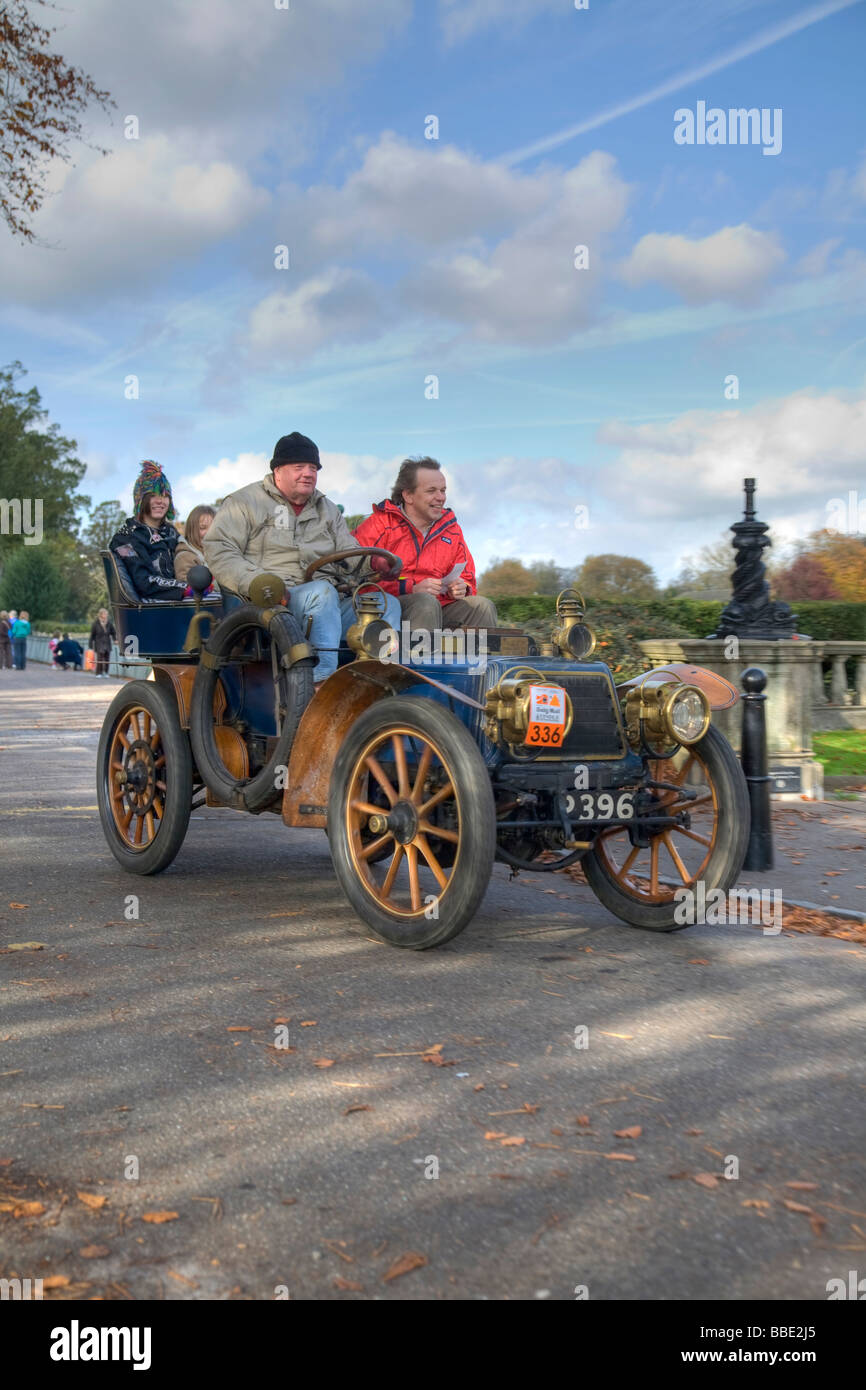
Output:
(546, 727)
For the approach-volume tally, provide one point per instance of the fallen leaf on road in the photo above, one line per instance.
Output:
(26, 946)
(479, 1087)
(754, 1202)
(55, 1281)
(625, 1158)
(333, 1246)
(182, 1279)
(323, 1061)
(19, 905)
(796, 1206)
(27, 1209)
(694, 1131)
(348, 1284)
(633, 1132)
(513, 1141)
(818, 1223)
(310, 1023)
(436, 1047)
(512, 1177)
(803, 1186)
(495, 1134)
(437, 1060)
(94, 1252)
(239, 1028)
(405, 1264)
(281, 1020)
(156, 1218)
(616, 1035)
(642, 1195)
(352, 1109)
(91, 1200)
(582, 1120)
(289, 1201)
(698, 960)
(707, 1179)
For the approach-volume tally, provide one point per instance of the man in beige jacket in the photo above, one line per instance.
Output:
(281, 525)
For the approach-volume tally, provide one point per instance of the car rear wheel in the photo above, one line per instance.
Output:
(418, 873)
(637, 877)
(144, 780)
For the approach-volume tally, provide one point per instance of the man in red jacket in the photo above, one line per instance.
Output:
(436, 587)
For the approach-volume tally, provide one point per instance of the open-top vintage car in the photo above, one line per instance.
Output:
(425, 770)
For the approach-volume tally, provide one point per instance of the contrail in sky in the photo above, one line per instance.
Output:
(765, 39)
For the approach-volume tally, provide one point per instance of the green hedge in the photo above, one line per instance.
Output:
(824, 620)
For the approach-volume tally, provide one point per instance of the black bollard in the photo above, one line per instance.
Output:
(753, 756)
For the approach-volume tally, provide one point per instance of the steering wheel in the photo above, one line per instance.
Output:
(369, 550)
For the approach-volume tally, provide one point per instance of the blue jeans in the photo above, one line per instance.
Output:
(332, 617)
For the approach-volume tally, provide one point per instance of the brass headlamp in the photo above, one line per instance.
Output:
(572, 637)
(371, 636)
(508, 703)
(661, 717)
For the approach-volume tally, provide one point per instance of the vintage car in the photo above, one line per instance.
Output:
(426, 769)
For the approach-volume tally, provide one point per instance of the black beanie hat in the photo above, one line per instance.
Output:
(295, 448)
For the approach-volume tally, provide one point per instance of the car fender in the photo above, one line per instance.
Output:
(338, 702)
(720, 693)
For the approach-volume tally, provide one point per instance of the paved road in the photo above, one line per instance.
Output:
(118, 1054)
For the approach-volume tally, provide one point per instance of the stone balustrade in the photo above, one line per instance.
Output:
(846, 706)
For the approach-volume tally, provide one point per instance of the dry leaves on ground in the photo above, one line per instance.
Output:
(156, 1218)
(406, 1263)
(90, 1199)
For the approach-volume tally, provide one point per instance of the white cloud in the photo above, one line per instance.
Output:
(732, 264)
(113, 221)
(429, 194)
(815, 261)
(802, 449)
(461, 19)
(337, 306)
(526, 287)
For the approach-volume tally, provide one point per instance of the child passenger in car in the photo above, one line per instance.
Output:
(146, 542)
(189, 551)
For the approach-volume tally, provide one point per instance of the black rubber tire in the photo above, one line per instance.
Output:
(257, 793)
(726, 860)
(470, 874)
(178, 777)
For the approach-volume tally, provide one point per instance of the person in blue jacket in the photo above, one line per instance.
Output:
(69, 653)
(19, 634)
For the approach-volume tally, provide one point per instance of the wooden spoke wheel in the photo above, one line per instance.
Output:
(413, 856)
(144, 784)
(638, 876)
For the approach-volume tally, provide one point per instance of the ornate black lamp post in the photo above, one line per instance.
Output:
(751, 612)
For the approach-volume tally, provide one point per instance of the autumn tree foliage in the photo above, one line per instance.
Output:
(805, 577)
(506, 579)
(829, 565)
(42, 101)
(616, 576)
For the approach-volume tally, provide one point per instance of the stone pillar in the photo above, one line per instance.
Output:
(839, 682)
(790, 693)
(860, 681)
(819, 696)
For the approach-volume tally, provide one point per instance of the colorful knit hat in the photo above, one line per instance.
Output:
(152, 479)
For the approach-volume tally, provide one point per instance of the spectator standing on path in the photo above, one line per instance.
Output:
(69, 653)
(20, 633)
(5, 642)
(102, 637)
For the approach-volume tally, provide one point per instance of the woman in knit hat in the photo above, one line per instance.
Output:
(146, 542)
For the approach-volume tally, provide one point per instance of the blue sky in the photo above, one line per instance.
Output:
(599, 387)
